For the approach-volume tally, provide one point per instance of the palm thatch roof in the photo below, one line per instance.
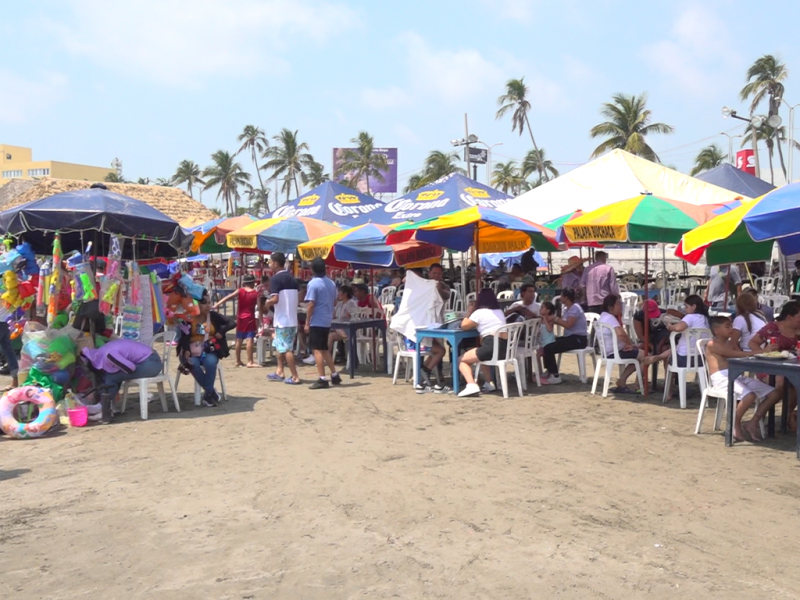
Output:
(171, 201)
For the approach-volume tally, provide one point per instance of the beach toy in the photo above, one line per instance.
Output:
(10, 260)
(31, 267)
(78, 417)
(193, 289)
(44, 422)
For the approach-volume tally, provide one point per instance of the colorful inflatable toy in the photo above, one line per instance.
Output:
(47, 419)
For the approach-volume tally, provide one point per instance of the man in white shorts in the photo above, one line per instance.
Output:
(746, 389)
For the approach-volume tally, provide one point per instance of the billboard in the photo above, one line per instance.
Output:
(746, 161)
(389, 184)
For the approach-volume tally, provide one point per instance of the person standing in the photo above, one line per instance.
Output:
(437, 351)
(283, 296)
(320, 298)
(725, 283)
(246, 325)
(599, 280)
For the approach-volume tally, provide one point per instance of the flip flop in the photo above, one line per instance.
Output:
(622, 390)
(290, 381)
(274, 377)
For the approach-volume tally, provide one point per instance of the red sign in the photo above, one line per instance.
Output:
(746, 161)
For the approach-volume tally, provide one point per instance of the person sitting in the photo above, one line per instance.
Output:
(571, 278)
(576, 336)
(202, 345)
(764, 309)
(526, 307)
(748, 322)
(746, 389)
(436, 350)
(696, 317)
(611, 315)
(366, 300)
(657, 327)
(121, 360)
(344, 310)
(781, 334)
(483, 314)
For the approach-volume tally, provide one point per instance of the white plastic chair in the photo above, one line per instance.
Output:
(629, 301)
(776, 301)
(454, 302)
(198, 391)
(471, 297)
(527, 349)
(505, 295)
(515, 285)
(672, 297)
(493, 285)
(514, 331)
(158, 380)
(720, 395)
(388, 294)
(599, 328)
(692, 361)
(766, 285)
(264, 344)
(581, 353)
(403, 354)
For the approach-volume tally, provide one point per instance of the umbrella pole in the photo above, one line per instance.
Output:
(477, 263)
(373, 315)
(664, 273)
(646, 325)
(464, 289)
(727, 284)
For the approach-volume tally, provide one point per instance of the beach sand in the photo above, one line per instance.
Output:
(372, 491)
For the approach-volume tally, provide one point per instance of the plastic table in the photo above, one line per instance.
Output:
(453, 337)
(789, 368)
(352, 327)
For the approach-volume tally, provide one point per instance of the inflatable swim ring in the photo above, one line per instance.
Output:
(41, 397)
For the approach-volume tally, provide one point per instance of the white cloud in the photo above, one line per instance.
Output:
(390, 97)
(699, 54)
(180, 42)
(23, 98)
(516, 10)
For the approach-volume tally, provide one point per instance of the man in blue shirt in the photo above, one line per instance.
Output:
(320, 298)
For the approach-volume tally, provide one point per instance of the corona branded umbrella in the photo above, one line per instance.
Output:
(278, 235)
(210, 237)
(365, 246)
(746, 233)
(446, 195)
(334, 203)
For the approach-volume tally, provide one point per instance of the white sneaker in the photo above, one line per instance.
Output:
(488, 387)
(309, 360)
(551, 380)
(472, 389)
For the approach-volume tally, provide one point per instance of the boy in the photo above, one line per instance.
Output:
(745, 389)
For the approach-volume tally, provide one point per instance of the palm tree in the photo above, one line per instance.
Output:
(536, 161)
(253, 139)
(438, 164)
(228, 174)
(188, 172)
(115, 178)
(516, 99)
(316, 175)
(288, 158)
(164, 182)
(258, 201)
(143, 181)
(765, 79)
(216, 211)
(506, 176)
(708, 158)
(627, 126)
(361, 162)
(769, 135)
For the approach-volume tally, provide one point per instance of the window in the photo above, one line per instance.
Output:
(11, 174)
(38, 172)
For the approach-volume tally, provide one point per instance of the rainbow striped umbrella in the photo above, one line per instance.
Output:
(283, 234)
(209, 237)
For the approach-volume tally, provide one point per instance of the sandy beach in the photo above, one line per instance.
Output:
(372, 491)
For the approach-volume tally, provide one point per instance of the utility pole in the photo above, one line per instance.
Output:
(466, 138)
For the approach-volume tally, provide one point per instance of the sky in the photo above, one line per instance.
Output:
(154, 82)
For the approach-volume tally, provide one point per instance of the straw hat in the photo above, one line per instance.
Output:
(573, 263)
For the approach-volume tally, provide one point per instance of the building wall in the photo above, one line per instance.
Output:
(22, 166)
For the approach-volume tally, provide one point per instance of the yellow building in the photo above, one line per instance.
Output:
(17, 163)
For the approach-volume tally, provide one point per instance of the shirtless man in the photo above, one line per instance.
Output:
(746, 389)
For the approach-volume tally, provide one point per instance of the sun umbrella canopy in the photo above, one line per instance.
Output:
(92, 210)
(645, 219)
(365, 246)
(334, 203)
(746, 233)
(729, 177)
(488, 229)
(446, 195)
(279, 235)
(210, 236)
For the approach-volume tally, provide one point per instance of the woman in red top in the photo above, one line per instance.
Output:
(246, 326)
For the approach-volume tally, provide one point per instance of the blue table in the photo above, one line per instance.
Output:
(651, 294)
(453, 337)
(352, 327)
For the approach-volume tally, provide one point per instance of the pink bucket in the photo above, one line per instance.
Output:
(78, 417)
